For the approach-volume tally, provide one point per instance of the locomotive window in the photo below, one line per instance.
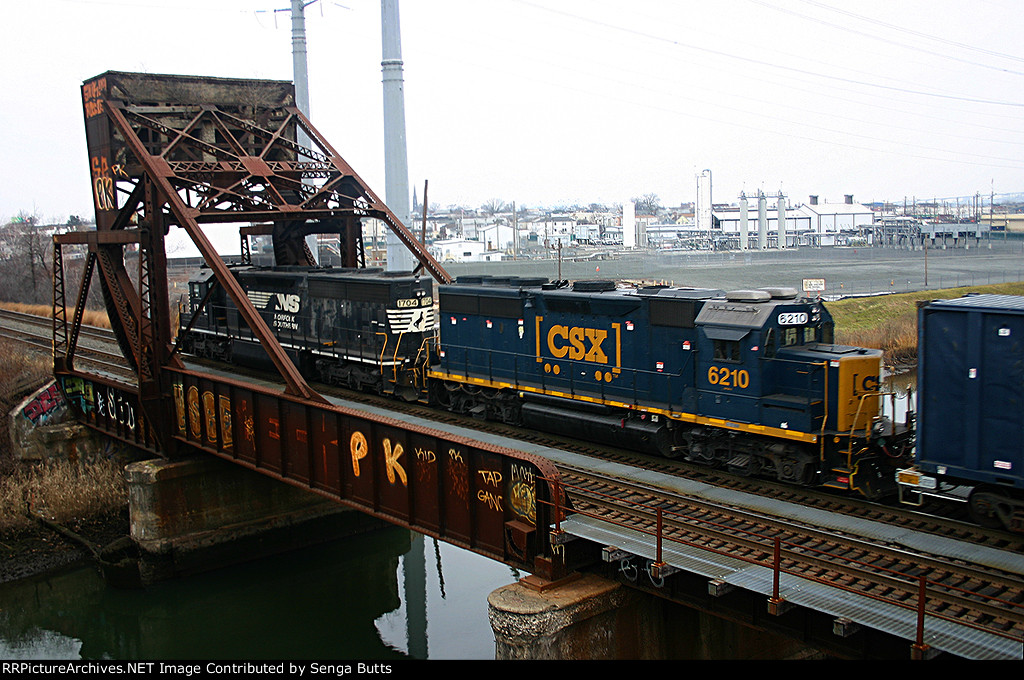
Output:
(790, 336)
(674, 313)
(727, 350)
(828, 333)
(809, 333)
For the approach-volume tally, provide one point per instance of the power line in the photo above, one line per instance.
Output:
(750, 60)
(919, 34)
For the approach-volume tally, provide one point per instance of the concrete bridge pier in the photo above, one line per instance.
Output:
(589, 617)
(595, 618)
(203, 513)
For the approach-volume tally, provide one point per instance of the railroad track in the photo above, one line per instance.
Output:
(985, 598)
(96, 346)
(904, 517)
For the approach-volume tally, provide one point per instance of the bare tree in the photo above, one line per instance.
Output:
(493, 207)
(25, 261)
(648, 204)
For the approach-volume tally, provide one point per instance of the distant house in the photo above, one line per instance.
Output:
(550, 230)
(462, 250)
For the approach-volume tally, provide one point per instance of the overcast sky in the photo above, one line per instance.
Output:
(554, 102)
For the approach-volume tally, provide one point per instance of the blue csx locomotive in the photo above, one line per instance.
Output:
(748, 380)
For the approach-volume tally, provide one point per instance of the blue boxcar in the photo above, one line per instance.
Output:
(971, 406)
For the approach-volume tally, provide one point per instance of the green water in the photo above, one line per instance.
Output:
(377, 597)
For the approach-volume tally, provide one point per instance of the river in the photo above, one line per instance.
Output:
(381, 596)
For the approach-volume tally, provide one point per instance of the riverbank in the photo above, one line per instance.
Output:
(35, 550)
(90, 501)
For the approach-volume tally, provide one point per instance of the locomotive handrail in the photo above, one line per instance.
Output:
(860, 405)
(380, 360)
(394, 359)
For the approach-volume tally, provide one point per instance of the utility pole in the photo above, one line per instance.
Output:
(300, 69)
(396, 161)
(300, 76)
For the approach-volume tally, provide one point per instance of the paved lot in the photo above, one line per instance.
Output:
(845, 270)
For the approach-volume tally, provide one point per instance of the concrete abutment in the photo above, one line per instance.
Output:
(198, 514)
(595, 618)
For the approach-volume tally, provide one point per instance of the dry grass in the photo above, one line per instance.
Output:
(90, 317)
(61, 490)
(20, 372)
(889, 322)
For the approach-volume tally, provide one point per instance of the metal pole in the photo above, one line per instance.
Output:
(396, 161)
(299, 64)
(776, 568)
(661, 525)
(919, 646)
(300, 75)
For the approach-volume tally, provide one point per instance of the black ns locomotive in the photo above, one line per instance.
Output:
(365, 329)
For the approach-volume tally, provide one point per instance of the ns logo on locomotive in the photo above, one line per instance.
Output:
(748, 380)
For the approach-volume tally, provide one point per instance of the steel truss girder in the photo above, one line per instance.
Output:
(252, 180)
(188, 151)
(483, 497)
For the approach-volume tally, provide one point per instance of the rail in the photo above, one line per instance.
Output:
(784, 557)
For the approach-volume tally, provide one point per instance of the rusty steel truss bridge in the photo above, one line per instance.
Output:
(191, 151)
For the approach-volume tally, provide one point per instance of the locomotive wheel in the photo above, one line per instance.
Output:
(988, 506)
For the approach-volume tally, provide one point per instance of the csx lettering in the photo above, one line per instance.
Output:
(868, 384)
(563, 340)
